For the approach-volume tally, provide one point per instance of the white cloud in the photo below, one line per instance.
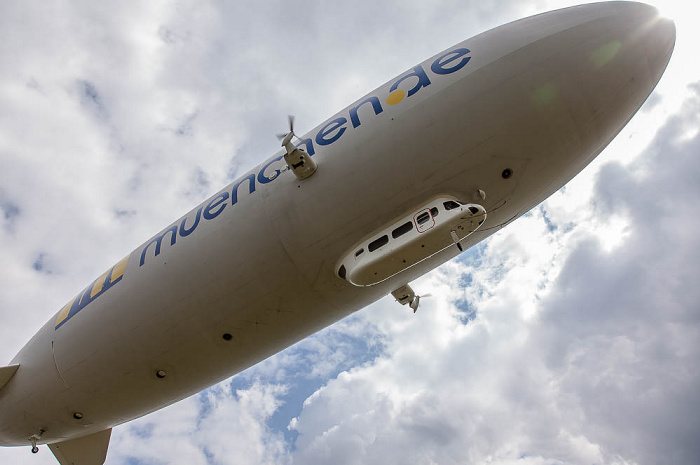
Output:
(213, 427)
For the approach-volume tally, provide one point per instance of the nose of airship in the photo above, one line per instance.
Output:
(624, 33)
(567, 83)
(652, 34)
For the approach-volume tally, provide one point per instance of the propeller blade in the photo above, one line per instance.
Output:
(281, 136)
(414, 305)
(291, 123)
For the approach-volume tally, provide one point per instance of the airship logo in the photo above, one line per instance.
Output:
(404, 87)
(92, 292)
(448, 63)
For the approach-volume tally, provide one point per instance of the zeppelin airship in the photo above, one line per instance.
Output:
(401, 181)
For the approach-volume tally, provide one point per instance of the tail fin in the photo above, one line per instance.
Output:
(6, 373)
(86, 450)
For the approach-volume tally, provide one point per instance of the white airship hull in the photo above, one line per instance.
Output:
(254, 269)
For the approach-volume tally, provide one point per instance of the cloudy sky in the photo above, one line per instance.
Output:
(570, 337)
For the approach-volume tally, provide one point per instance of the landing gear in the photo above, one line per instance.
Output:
(34, 438)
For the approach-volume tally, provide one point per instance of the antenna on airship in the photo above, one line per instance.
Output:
(297, 159)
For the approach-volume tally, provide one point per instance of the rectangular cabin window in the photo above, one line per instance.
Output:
(359, 252)
(401, 230)
(423, 218)
(375, 244)
(434, 211)
(450, 205)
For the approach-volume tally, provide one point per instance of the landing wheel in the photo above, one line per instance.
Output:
(34, 438)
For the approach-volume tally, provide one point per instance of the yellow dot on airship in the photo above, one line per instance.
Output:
(395, 97)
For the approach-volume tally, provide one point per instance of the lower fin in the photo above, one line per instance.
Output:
(6, 373)
(86, 450)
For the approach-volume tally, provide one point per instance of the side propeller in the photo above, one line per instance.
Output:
(286, 138)
(416, 301)
(405, 295)
(297, 159)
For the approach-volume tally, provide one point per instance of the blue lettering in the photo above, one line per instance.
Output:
(418, 72)
(214, 203)
(263, 178)
(439, 65)
(353, 111)
(158, 242)
(184, 232)
(328, 129)
(447, 63)
(309, 146)
(251, 187)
